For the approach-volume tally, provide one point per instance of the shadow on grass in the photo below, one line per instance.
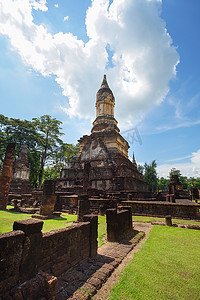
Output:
(69, 219)
(12, 211)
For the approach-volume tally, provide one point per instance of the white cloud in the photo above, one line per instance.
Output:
(56, 5)
(66, 18)
(189, 169)
(39, 5)
(179, 158)
(144, 58)
(186, 124)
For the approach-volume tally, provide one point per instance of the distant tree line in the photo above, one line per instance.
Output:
(150, 176)
(47, 153)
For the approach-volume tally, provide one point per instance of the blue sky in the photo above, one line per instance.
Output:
(54, 54)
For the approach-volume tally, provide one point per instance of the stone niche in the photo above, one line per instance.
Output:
(102, 162)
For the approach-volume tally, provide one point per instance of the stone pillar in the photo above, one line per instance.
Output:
(168, 220)
(48, 198)
(83, 207)
(111, 220)
(102, 210)
(31, 250)
(172, 198)
(86, 176)
(93, 232)
(129, 208)
(6, 175)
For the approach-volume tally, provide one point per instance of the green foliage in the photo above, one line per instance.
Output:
(167, 267)
(197, 183)
(163, 184)
(18, 131)
(186, 182)
(52, 172)
(174, 171)
(42, 136)
(140, 169)
(64, 155)
(150, 175)
(102, 229)
(49, 131)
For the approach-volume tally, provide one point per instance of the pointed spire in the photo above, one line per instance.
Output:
(104, 91)
(104, 83)
(134, 161)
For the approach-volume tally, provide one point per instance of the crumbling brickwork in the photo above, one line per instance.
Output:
(26, 251)
(6, 175)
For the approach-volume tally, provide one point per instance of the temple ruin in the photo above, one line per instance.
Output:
(102, 162)
(20, 183)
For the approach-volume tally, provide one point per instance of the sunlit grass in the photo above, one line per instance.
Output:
(101, 229)
(167, 267)
(8, 217)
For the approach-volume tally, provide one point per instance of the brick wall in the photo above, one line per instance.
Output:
(26, 251)
(164, 208)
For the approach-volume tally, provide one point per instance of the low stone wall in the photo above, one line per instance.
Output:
(118, 222)
(26, 251)
(180, 210)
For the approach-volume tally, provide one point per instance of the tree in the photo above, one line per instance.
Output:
(65, 154)
(140, 168)
(183, 179)
(49, 141)
(17, 131)
(150, 175)
(174, 171)
(42, 136)
(197, 183)
(163, 184)
(184, 182)
(21, 132)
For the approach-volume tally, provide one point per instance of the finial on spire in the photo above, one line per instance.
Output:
(104, 82)
(105, 92)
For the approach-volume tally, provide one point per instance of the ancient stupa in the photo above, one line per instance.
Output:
(103, 157)
(20, 183)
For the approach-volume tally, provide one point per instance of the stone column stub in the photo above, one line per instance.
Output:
(6, 175)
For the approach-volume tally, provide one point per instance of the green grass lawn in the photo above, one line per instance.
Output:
(167, 267)
(7, 219)
(102, 228)
(156, 219)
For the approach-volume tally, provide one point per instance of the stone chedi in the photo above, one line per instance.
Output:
(102, 162)
(21, 170)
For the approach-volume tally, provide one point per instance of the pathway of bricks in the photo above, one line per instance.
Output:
(89, 278)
